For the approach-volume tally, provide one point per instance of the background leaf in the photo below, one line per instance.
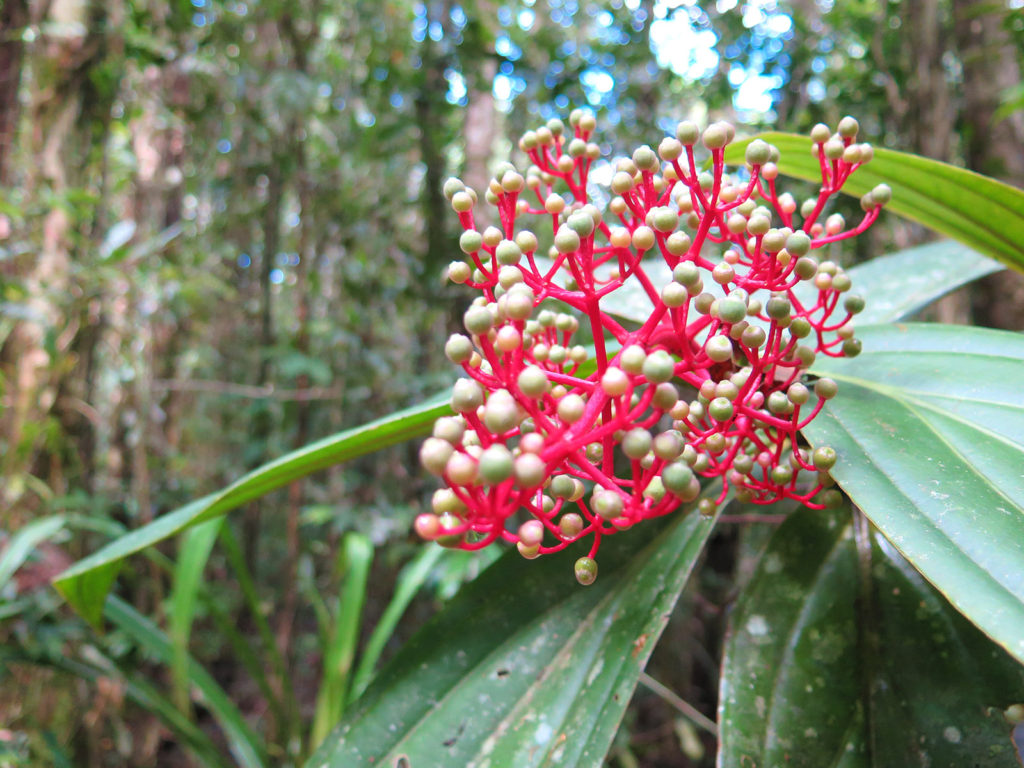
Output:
(841, 654)
(925, 273)
(929, 426)
(974, 209)
(524, 667)
(85, 585)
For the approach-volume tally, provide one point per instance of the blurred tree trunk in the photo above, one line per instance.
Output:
(990, 146)
(13, 18)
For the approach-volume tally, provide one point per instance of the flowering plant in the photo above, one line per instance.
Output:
(588, 440)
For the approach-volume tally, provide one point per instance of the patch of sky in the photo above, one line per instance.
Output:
(562, 101)
(504, 46)
(244, 261)
(568, 48)
(458, 17)
(199, 3)
(396, 100)
(688, 52)
(598, 85)
(366, 118)
(456, 87)
(435, 31)
(198, 19)
(505, 16)
(816, 91)
(276, 276)
(324, 90)
(755, 93)
(526, 19)
(506, 68)
(224, 146)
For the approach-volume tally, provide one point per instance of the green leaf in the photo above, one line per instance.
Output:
(21, 544)
(196, 546)
(928, 425)
(409, 582)
(355, 559)
(525, 667)
(981, 212)
(924, 274)
(898, 285)
(85, 585)
(245, 745)
(840, 654)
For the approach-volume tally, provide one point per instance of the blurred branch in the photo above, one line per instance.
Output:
(266, 392)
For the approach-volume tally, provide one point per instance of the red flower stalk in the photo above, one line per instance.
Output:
(578, 442)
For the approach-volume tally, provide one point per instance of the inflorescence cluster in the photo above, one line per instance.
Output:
(554, 440)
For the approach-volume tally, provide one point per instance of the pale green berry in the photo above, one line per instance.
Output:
(665, 396)
(570, 525)
(719, 348)
(797, 393)
(467, 395)
(758, 152)
(668, 445)
(632, 359)
(606, 503)
(615, 382)
(586, 571)
(658, 367)
(824, 458)
(674, 295)
(825, 388)
(570, 408)
(530, 470)
(636, 443)
(434, 455)
(478, 320)
(501, 413)
(566, 240)
(496, 464)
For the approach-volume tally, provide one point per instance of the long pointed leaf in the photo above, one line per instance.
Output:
(839, 653)
(85, 585)
(525, 667)
(196, 546)
(981, 212)
(245, 744)
(21, 544)
(926, 273)
(929, 428)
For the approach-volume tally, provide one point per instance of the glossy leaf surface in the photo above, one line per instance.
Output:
(929, 428)
(961, 204)
(840, 654)
(895, 285)
(525, 667)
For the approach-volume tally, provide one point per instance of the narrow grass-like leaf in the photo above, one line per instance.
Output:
(147, 697)
(26, 539)
(245, 745)
(355, 558)
(525, 667)
(409, 582)
(839, 653)
(195, 549)
(929, 428)
(984, 213)
(85, 585)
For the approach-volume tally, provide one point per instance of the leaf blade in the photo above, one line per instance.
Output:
(921, 416)
(954, 201)
(517, 660)
(85, 584)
